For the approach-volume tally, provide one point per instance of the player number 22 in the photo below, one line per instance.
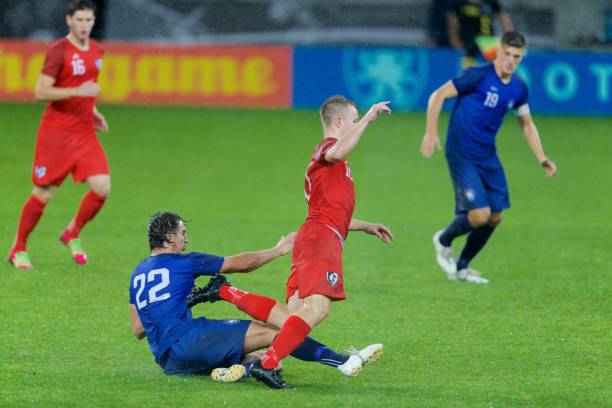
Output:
(139, 282)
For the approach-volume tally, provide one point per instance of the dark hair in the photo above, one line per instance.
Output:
(78, 5)
(332, 107)
(160, 225)
(513, 39)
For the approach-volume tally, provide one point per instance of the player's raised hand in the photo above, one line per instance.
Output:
(376, 110)
(380, 231)
(100, 122)
(88, 89)
(549, 166)
(430, 142)
(285, 244)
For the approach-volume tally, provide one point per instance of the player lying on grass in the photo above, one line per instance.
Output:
(159, 288)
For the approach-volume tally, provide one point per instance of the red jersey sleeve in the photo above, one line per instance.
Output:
(54, 60)
(322, 148)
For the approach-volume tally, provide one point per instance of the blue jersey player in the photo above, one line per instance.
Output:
(160, 286)
(484, 95)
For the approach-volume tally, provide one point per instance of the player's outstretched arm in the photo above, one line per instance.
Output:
(349, 140)
(137, 328)
(46, 91)
(379, 230)
(431, 140)
(532, 136)
(249, 261)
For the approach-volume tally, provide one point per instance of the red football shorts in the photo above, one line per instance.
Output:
(59, 153)
(316, 263)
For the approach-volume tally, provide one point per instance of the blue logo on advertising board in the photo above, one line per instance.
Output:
(376, 74)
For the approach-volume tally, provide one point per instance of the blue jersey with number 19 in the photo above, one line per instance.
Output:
(482, 102)
(159, 287)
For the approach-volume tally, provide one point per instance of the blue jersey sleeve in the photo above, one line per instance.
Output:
(469, 80)
(205, 264)
(132, 291)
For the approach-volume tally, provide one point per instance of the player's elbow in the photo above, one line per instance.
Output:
(139, 333)
(335, 155)
(39, 95)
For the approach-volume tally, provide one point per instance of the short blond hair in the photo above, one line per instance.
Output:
(333, 107)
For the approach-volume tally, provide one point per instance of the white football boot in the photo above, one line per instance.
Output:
(444, 256)
(228, 375)
(472, 276)
(359, 358)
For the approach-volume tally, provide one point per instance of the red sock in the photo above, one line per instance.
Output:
(291, 335)
(256, 306)
(30, 214)
(90, 206)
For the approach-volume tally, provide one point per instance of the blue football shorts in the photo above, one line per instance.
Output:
(478, 187)
(206, 345)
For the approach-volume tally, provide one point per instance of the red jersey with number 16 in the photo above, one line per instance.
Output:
(329, 190)
(71, 66)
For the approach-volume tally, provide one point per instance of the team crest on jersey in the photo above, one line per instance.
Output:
(332, 278)
(470, 195)
(99, 64)
(78, 65)
(40, 171)
(230, 322)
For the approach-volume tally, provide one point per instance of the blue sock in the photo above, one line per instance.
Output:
(248, 365)
(460, 225)
(312, 350)
(475, 242)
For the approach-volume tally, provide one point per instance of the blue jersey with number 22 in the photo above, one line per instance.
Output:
(482, 102)
(159, 287)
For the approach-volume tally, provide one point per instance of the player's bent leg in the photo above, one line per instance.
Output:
(294, 303)
(44, 193)
(100, 184)
(479, 217)
(258, 335)
(315, 309)
(474, 244)
(496, 219)
(91, 204)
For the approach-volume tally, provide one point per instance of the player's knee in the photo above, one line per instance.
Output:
(44, 193)
(479, 217)
(321, 311)
(101, 187)
(495, 219)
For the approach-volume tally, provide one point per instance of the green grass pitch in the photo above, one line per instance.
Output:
(539, 335)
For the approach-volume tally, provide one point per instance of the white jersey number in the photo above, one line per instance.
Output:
(491, 99)
(154, 296)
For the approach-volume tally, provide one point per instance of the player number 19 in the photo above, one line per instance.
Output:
(491, 99)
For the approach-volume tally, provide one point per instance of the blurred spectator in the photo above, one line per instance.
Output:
(469, 19)
(437, 28)
(98, 30)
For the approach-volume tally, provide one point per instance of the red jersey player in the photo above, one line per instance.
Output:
(316, 273)
(66, 141)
